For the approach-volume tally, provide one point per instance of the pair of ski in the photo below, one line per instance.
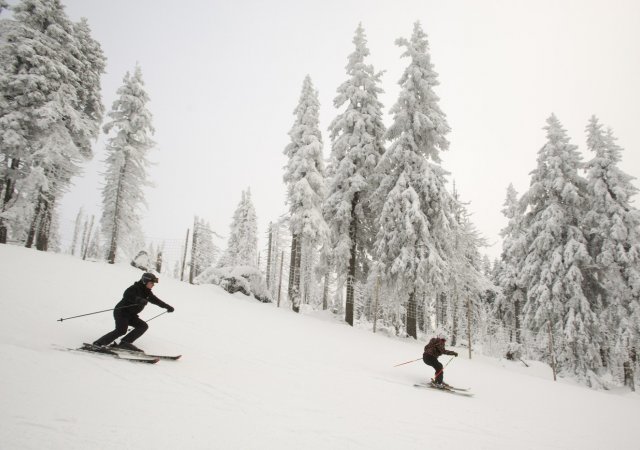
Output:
(446, 388)
(127, 355)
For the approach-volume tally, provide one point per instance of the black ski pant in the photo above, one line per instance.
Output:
(437, 366)
(123, 322)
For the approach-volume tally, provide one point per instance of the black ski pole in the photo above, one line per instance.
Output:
(97, 312)
(129, 329)
(156, 316)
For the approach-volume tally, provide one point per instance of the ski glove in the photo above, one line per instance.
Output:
(170, 308)
(455, 353)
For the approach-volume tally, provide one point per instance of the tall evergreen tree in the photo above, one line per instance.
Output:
(126, 164)
(242, 245)
(357, 136)
(554, 270)
(50, 110)
(466, 283)
(412, 200)
(204, 250)
(613, 226)
(304, 177)
(512, 293)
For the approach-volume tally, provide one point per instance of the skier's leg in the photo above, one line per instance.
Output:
(121, 329)
(437, 366)
(139, 328)
(439, 371)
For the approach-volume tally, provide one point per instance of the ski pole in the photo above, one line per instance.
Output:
(129, 329)
(156, 316)
(442, 370)
(413, 360)
(97, 312)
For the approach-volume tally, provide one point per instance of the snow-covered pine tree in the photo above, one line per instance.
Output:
(466, 283)
(126, 164)
(204, 251)
(554, 270)
(510, 300)
(242, 245)
(89, 65)
(613, 226)
(412, 201)
(357, 136)
(304, 177)
(48, 113)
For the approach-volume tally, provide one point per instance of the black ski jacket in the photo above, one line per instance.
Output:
(135, 298)
(435, 348)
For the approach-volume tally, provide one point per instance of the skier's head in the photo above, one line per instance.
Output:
(440, 334)
(147, 277)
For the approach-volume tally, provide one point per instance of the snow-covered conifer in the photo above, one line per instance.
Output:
(304, 177)
(49, 112)
(613, 226)
(413, 204)
(204, 251)
(510, 300)
(554, 269)
(242, 244)
(357, 136)
(130, 140)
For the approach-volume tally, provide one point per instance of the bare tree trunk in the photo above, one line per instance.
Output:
(88, 239)
(34, 223)
(280, 282)
(454, 315)
(628, 366)
(44, 227)
(269, 257)
(551, 351)
(469, 325)
(351, 275)
(184, 256)
(411, 316)
(113, 244)
(375, 303)
(325, 291)
(8, 185)
(294, 272)
(516, 306)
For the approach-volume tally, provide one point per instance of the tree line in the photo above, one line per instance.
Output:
(374, 233)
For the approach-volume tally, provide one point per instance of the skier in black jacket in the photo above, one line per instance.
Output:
(126, 312)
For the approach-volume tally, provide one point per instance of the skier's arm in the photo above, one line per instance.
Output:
(156, 301)
(444, 351)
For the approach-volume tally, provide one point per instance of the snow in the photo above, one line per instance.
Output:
(255, 376)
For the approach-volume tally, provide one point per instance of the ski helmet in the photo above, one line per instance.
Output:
(441, 334)
(147, 276)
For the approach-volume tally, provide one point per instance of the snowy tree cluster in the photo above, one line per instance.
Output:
(386, 236)
(50, 111)
(569, 273)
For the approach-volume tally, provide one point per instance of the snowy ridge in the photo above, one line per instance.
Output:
(254, 376)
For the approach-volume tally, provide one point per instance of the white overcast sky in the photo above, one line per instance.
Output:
(224, 78)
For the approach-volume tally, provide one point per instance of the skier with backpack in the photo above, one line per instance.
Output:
(432, 351)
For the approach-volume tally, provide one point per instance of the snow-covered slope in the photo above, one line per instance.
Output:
(257, 377)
